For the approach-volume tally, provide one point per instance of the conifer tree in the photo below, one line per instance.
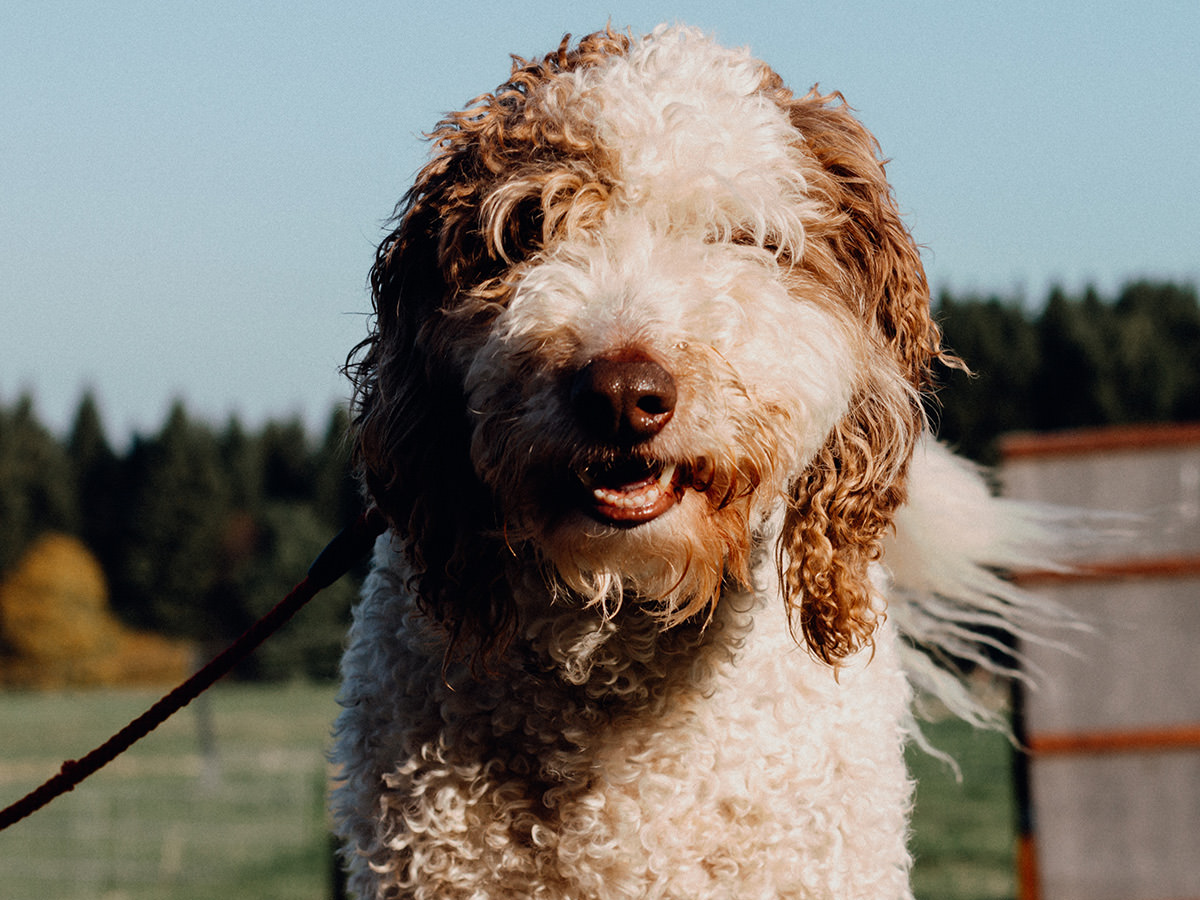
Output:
(178, 515)
(1075, 374)
(336, 495)
(1000, 346)
(1157, 356)
(241, 459)
(287, 461)
(37, 490)
(98, 477)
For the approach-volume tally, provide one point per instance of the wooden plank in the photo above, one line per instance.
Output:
(1140, 740)
(1163, 567)
(1099, 440)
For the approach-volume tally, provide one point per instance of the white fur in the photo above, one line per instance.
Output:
(614, 751)
(738, 766)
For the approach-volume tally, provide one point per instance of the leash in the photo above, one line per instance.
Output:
(350, 545)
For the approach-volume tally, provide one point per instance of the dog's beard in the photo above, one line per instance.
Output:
(674, 565)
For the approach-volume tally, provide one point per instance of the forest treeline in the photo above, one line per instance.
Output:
(1077, 361)
(199, 529)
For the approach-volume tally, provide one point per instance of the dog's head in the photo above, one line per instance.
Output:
(642, 301)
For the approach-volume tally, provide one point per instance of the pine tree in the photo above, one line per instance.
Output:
(97, 476)
(1075, 378)
(1157, 353)
(37, 490)
(290, 535)
(178, 517)
(287, 462)
(1000, 345)
(336, 494)
(242, 460)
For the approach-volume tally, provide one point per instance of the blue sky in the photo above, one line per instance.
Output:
(190, 194)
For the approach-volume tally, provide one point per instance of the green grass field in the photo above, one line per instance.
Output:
(168, 820)
(964, 832)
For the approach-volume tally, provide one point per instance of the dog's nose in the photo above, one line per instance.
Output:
(626, 399)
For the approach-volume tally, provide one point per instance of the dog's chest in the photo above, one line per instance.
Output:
(681, 759)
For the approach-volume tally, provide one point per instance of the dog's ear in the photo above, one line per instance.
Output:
(438, 280)
(841, 507)
(410, 425)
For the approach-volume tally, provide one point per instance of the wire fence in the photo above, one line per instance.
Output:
(227, 800)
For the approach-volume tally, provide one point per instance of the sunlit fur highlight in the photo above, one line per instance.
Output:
(539, 701)
(519, 171)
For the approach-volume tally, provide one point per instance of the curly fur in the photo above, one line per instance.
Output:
(557, 693)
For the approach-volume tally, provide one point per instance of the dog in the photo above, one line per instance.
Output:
(645, 405)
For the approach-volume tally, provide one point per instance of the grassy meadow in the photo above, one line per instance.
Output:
(964, 832)
(226, 801)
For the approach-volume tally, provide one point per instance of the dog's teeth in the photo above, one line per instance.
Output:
(628, 500)
(631, 495)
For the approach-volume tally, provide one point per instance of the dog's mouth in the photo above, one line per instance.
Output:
(632, 491)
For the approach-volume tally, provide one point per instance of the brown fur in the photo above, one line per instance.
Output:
(439, 272)
(843, 506)
(446, 269)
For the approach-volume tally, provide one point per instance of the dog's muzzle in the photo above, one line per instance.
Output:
(622, 401)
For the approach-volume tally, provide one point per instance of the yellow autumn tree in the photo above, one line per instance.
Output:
(56, 628)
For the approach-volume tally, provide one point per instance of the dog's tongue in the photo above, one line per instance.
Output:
(633, 498)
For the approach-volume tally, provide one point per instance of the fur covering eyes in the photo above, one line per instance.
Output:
(643, 403)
